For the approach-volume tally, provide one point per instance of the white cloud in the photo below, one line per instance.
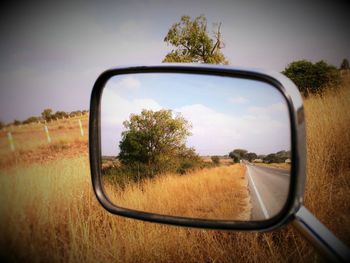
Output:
(218, 133)
(271, 109)
(114, 111)
(277, 111)
(127, 83)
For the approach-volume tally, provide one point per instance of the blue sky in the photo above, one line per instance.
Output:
(173, 90)
(225, 113)
(52, 51)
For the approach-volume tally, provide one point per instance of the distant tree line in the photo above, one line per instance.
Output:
(278, 157)
(47, 115)
(241, 154)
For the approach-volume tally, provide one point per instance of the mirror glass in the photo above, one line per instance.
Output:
(197, 146)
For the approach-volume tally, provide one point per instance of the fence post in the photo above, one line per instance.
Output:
(47, 134)
(81, 128)
(10, 139)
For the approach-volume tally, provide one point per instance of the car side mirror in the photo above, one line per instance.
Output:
(198, 146)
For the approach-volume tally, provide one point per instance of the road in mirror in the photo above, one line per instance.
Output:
(196, 146)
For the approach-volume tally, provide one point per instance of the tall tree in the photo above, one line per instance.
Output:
(47, 114)
(153, 139)
(238, 154)
(251, 156)
(192, 43)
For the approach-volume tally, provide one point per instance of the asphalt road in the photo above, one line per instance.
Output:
(268, 190)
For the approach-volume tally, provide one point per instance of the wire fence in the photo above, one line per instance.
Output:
(45, 132)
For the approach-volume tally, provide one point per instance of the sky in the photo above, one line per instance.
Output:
(225, 113)
(53, 51)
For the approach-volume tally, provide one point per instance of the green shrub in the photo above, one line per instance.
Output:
(30, 120)
(312, 77)
(215, 160)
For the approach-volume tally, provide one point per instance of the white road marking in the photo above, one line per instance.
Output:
(263, 208)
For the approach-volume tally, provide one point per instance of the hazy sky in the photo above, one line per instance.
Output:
(224, 113)
(52, 52)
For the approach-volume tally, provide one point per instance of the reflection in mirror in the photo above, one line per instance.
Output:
(196, 146)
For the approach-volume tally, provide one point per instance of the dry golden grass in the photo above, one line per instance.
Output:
(327, 192)
(48, 212)
(223, 160)
(31, 145)
(31, 136)
(214, 193)
(275, 165)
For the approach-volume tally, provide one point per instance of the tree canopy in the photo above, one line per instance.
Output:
(192, 43)
(47, 114)
(278, 157)
(155, 140)
(237, 154)
(312, 77)
(251, 156)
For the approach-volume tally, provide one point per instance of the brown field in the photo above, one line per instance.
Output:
(31, 145)
(48, 212)
(32, 136)
(212, 193)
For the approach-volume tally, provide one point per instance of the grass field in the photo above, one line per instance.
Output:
(32, 146)
(210, 193)
(48, 212)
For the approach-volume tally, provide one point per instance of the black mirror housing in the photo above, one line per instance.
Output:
(298, 147)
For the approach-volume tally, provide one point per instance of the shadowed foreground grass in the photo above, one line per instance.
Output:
(48, 212)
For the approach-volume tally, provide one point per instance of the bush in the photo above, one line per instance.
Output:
(237, 154)
(312, 78)
(121, 175)
(279, 157)
(184, 167)
(250, 156)
(60, 115)
(215, 160)
(75, 113)
(17, 122)
(47, 114)
(30, 120)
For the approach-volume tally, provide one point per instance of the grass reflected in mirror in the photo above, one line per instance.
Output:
(213, 193)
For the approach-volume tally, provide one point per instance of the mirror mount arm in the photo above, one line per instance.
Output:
(321, 237)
